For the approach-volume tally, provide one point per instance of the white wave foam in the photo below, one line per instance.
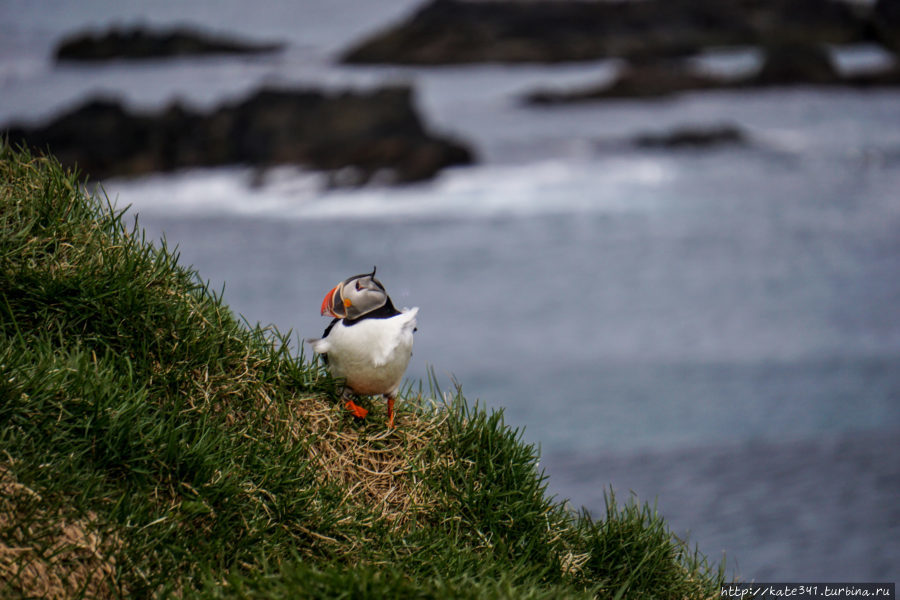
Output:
(554, 186)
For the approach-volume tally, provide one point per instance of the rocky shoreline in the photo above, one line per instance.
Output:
(785, 65)
(362, 134)
(358, 137)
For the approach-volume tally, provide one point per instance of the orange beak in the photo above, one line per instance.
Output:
(328, 303)
(329, 307)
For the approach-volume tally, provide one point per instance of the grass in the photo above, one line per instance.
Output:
(153, 445)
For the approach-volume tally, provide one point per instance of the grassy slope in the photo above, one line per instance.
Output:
(151, 444)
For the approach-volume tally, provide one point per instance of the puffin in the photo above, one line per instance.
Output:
(369, 342)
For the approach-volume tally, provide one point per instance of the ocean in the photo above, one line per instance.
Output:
(716, 331)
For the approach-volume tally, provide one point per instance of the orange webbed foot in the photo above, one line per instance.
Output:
(357, 410)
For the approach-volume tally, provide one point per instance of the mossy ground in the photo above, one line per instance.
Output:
(153, 445)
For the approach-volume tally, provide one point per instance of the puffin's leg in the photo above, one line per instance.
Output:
(357, 410)
(390, 400)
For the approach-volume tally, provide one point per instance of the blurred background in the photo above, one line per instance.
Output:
(688, 295)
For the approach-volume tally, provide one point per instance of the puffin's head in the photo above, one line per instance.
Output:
(355, 297)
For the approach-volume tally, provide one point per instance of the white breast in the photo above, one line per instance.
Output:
(372, 354)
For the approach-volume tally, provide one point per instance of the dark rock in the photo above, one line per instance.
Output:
(643, 80)
(693, 137)
(139, 43)
(460, 31)
(791, 64)
(371, 132)
(886, 23)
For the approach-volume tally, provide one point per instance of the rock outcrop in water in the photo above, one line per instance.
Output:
(693, 137)
(140, 43)
(655, 79)
(460, 31)
(365, 133)
(784, 65)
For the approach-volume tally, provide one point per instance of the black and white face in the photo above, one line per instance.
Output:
(354, 297)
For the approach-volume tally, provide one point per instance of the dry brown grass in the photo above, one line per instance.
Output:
(51, 556)
(378, 469)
